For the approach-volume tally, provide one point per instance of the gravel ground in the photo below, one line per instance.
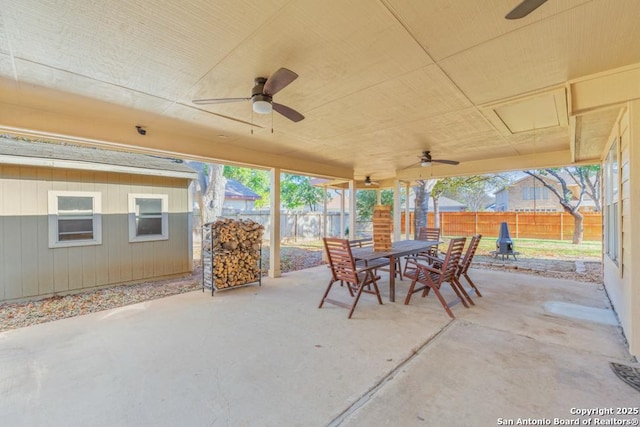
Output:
(17, 315)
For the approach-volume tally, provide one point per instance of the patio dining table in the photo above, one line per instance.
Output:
(398, 249)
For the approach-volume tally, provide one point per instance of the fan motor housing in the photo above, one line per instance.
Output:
(258, 87)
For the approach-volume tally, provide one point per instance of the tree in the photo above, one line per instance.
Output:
(367, 199)
(592, 175)
(209, 190)
(296, 191)
(255, 179)
(422, 190)
(473, 190)
(565, 195)
(436, 192)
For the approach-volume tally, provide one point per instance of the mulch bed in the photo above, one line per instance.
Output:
(17, 315)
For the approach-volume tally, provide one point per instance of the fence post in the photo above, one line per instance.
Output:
(475, 229)
(561, 226)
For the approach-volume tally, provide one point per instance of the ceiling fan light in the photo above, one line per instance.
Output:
(425, 163)
(262, 107)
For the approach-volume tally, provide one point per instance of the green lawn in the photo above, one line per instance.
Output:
(537, 248)
(532, 248)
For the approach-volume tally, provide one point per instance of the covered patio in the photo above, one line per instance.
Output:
(532, 347)
(379, 83)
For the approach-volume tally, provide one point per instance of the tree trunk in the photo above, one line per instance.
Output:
(422, 191)
(213, 196)
(578, 227)
(436, 212)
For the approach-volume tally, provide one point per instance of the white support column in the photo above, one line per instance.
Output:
(274, 233)
(378, 196)
(342, 213)
(407, 223)
(352, 210)
(396, 211)
(324, 213)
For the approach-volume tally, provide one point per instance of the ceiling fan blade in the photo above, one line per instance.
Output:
(288, 112)
(446, 162)
(278, 81)
(222, 115)
(524, 8)
(218, 101)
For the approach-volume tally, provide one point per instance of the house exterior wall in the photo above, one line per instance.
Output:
(511, 199)
(29, 268)
(621, 282)
(239, 204)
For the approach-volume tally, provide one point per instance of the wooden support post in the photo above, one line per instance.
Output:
(406, 212)
(396, 211)
(342, 213)
(274, 231)
(324, 213)
(352, 210)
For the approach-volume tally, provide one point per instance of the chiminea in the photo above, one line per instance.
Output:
(504, 244)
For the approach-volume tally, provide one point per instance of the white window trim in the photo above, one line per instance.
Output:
(612, 199)
(164, 198)
(53, 219)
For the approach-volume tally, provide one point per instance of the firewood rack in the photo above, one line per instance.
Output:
(208, 262)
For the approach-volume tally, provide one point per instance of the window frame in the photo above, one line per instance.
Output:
(612, 202)
(133, 216)
(53, 219)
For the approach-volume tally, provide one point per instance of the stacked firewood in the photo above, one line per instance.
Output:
(235, 246)
(382, 228)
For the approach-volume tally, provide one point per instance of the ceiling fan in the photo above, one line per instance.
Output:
(426, 160)
(262, 95)
(524, 8)
(368, 182)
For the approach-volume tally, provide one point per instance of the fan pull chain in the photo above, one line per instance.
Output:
(271, 120)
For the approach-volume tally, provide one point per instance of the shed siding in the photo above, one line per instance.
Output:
(28, 267)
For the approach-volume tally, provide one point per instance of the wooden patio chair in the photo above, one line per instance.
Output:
(466, 261)
(425, 233)
(463, 267)
(344, 270)
(432, 276)
(367, 243)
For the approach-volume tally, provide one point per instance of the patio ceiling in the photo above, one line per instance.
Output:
(379, 81)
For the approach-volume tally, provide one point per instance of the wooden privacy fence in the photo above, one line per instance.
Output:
(528, 225)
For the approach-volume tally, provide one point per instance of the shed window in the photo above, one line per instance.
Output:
(74, 218)
(148, 217)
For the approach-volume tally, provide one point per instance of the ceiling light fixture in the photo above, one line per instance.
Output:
(367, 181)
(425, 163)
(262, 104)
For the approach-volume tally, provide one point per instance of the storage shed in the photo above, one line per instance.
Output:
(73, 218)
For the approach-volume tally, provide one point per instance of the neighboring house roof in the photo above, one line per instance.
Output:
(237, 191)
(56, 155)
(444, 203)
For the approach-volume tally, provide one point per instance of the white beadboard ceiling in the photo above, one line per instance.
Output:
(380, 81)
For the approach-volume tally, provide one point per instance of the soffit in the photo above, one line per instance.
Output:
(379, 81)
(592, 131)
(585, 39)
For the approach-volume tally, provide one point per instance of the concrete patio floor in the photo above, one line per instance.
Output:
(532, 347)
